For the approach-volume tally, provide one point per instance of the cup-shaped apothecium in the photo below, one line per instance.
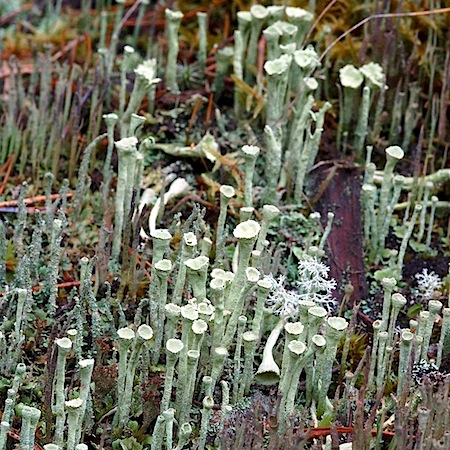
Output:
(196, 269)
(163, 267)
(190, 239)
(135, 122)
(405, 354)
(395, 152)
(318, 341)
(110, 119)
(294, 328)
(217, 273)
(264, 285)
(227, 191)
(268, 372)
(336, 327)
(218, 358)
(350, 77)
(199, 326)
(398, 300)
(126, 144)
(252, 274)
(250, 151)
(64, 344)
(217, 284)
(145, 332)
(297, 347)
(226, 194)
(161, 234)
(306, 59)
(160, 240)
(270, 212)
(174, 346)
(247, 230)
(272, 35)
(278, 66)
(172, 311)
(189, 312)
(197, 264)
(126, 338)
(316, 316)
(85, 363)
(374, 74)
(246, 212)
(288, 34)
(205, 310)
(126, 335)
(147, 71)
(74, 404)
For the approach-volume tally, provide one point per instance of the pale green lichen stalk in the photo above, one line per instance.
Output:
(162, 269)
(351, 79)
(202, 40)
(63, 347)
(126, 338)
(30, 419)
(258, 15)
(173, 20)
(335, 329)
(127, 151)
(74, 410)
(246, 233)
(143, 335)
(173, 347)
(86, 367)
(226, 194)
(250, 154)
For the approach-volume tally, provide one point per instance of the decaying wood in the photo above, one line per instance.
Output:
(340, 194)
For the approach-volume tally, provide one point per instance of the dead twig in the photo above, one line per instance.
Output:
(30, 200)
(8, 167)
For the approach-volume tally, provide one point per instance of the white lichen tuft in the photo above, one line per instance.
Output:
(427, 285)
(314, 284)
(281, 301)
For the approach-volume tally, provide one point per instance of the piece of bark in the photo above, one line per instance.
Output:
(337, 189)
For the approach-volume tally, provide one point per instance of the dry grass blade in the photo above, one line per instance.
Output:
(382, 16)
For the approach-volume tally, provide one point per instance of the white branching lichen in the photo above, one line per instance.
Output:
(282, 301)
(427, 284)
(314, 286)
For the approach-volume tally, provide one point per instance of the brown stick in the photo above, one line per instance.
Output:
(31, 200)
